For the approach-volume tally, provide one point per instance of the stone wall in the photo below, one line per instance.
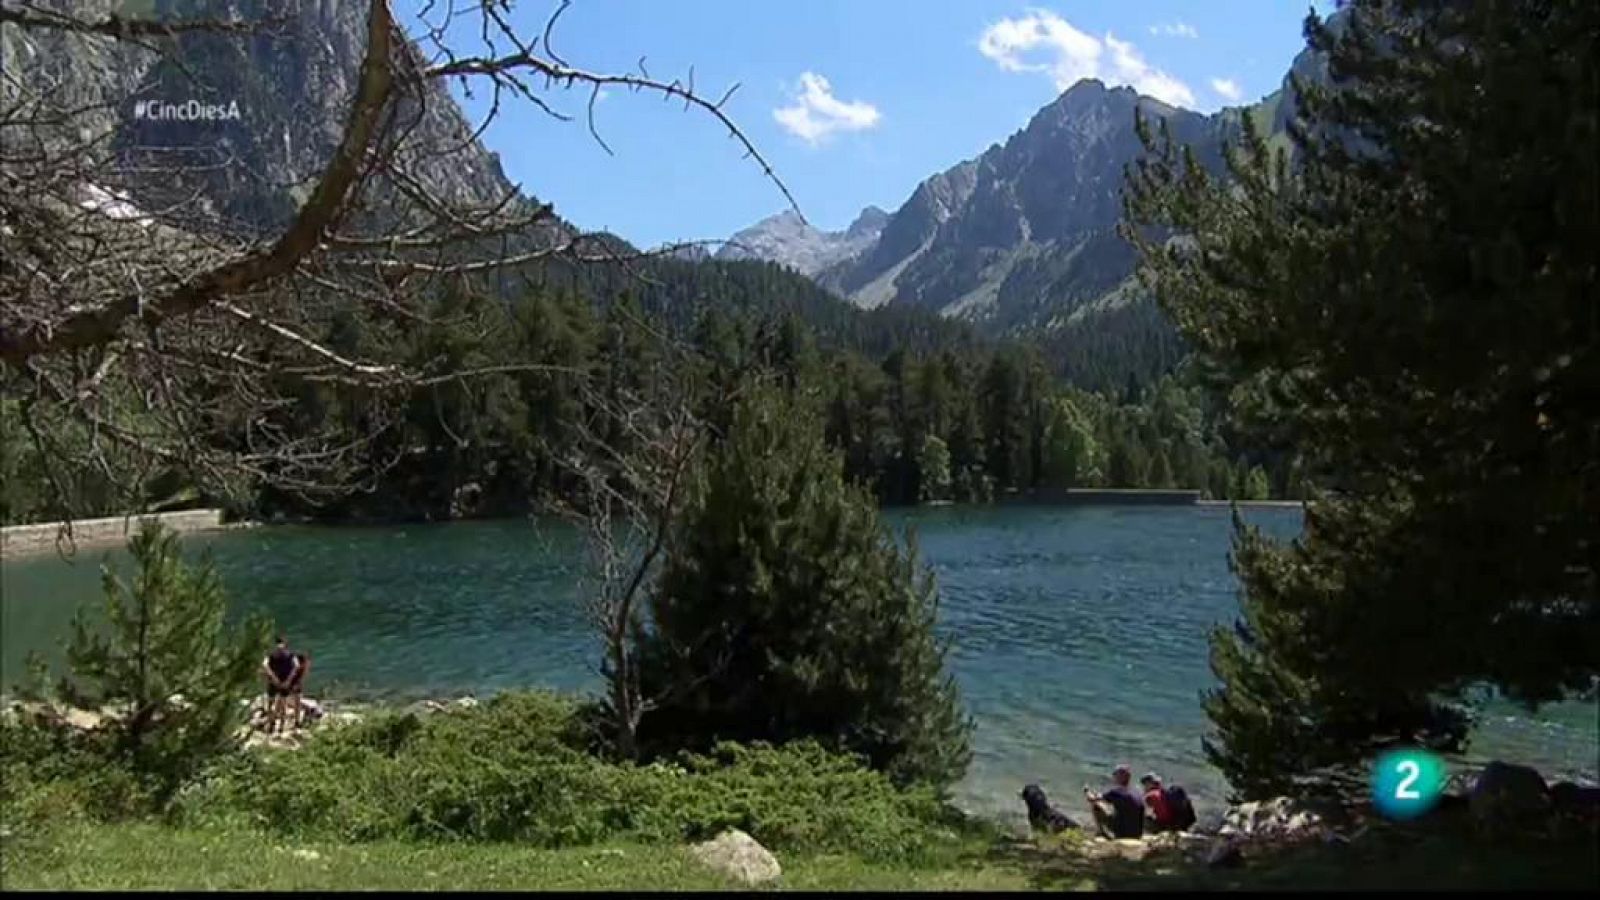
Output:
(27, 540)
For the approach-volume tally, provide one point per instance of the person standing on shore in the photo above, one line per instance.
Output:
(297, 687)
(280, 668)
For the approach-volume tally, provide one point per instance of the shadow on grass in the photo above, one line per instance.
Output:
(1386, 857)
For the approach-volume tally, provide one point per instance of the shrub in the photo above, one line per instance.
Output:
(50, 775)
(514, 770)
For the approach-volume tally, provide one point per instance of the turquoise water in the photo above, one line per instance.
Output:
(1080, 633)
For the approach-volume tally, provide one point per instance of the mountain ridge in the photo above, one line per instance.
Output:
(787, 239)
(1022, 238)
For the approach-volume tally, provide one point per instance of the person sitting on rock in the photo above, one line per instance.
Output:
(297, 687)
(1170, 809)
(1117, 812)
(279, 667)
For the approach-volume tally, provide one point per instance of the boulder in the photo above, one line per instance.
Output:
(1210, 822)
(288, 740)
(465, 499)
(1130, 849)
(38, 713)
(1278, 818)
(466, 703)
(1226, 854)
(82, 719)
(1575, 801)
(738, 856)
(1507, 795)
(1189, 845)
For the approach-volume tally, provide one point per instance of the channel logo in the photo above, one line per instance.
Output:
(1407, 783)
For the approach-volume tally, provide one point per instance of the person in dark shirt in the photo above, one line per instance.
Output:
(279, 667)
(297, 687)
(1117, 812)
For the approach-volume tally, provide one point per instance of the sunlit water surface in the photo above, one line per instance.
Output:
(1079, 633)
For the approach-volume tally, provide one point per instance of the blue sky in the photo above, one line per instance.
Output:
(852, 101)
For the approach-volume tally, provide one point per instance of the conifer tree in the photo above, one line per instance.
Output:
(165, 658)
(1407, 299)
(785, 611)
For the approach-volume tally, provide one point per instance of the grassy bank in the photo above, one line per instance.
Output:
(151, 856)
(511, 795)
(138, 855)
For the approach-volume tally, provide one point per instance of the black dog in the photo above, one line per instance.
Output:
(1041, 815)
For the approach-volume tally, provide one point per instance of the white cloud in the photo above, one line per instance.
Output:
(817, 113)
(1227, 88)
(1042, 41)
(1174, 29)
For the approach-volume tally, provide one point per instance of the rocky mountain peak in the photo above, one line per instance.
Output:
(786, 239)
(871, 221)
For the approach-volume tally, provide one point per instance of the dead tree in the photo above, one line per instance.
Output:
(627, 504)
(138, 334)
(635, 461)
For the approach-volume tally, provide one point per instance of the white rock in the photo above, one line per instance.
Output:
(83, 719)
(739, 856)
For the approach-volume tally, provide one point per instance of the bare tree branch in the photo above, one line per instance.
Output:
(150, 329)
(31, 15)
(92, 326)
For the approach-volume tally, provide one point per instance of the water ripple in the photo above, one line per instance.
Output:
(1079, 635)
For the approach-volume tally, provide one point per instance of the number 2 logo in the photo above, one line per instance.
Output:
(1412, 771)
(1407, 782)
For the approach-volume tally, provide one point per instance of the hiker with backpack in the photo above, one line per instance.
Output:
(1170, 809)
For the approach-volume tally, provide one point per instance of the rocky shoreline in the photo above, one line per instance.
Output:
(1499, 799)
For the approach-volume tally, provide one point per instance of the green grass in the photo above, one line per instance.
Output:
(507, 797)
(148, 856)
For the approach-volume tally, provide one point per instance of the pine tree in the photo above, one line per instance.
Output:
(166, 658)
(1406, 298)
(784, 611)
(934, 464)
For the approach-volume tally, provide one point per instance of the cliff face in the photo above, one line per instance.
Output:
(279, 99)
